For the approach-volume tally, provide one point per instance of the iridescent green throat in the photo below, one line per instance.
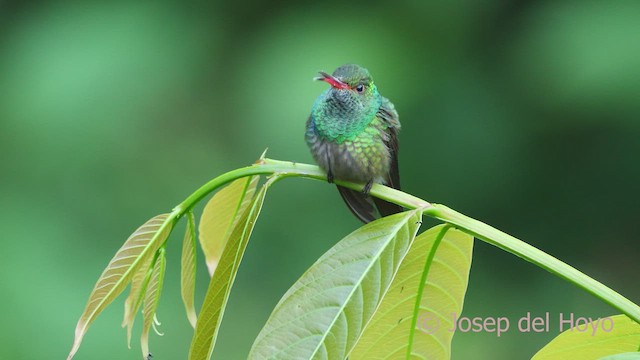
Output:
(340, 116)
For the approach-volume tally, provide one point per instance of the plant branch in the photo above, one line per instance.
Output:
(533, 255)
(474, 227)
(287, 169)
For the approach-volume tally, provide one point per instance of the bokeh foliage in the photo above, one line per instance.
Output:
(524, 115)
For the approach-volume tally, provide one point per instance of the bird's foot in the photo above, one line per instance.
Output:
(367, 187)
(330, 177)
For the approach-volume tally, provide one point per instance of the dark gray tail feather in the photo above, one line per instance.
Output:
(387, 208)
(360, 204)
(364, 206)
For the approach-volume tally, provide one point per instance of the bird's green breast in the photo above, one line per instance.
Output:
(339, 123)
(362, 158)
(368, 149)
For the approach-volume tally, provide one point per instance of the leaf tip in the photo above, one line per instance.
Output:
(212, 264)
(73, 351)
(264, 153)
(193, 318)
(129, 331)
(260, 160)
(77, 339)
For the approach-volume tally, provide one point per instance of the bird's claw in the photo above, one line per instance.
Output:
(367, 187)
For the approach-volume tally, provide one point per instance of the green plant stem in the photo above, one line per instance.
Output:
(521, 249)
(286, 169)
(474, 227)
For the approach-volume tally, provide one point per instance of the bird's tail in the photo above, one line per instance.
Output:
(364, 206)
(387, 208)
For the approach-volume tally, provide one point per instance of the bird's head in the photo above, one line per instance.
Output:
(352, 89)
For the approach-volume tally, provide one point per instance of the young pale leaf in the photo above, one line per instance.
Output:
(188, 269)
(625, 356)
(323, 314)
(222, 280)
(141, 245)
(414, 318)
(612, 335)
(220, 215)
(136, 294)
(151, 300)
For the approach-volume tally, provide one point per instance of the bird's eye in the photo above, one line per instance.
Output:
(360, 88)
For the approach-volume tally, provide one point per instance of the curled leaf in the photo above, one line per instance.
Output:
(220, 216)
(188, 269)
(222, 280)
(136, 295)
(151, 300)
(141, 245)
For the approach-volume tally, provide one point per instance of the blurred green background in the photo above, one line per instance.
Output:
(525, 115)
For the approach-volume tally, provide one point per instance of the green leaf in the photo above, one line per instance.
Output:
(220, 216)
(324, 312)
(188, 269)
(602, 337)
(136, 295)
(151, 300)
(222, 280)
(138, 248)
(624, 356)
(415, 315)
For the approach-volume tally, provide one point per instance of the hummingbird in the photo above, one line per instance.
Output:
(352, 133)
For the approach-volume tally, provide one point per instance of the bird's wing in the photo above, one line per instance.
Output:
(389, 115)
